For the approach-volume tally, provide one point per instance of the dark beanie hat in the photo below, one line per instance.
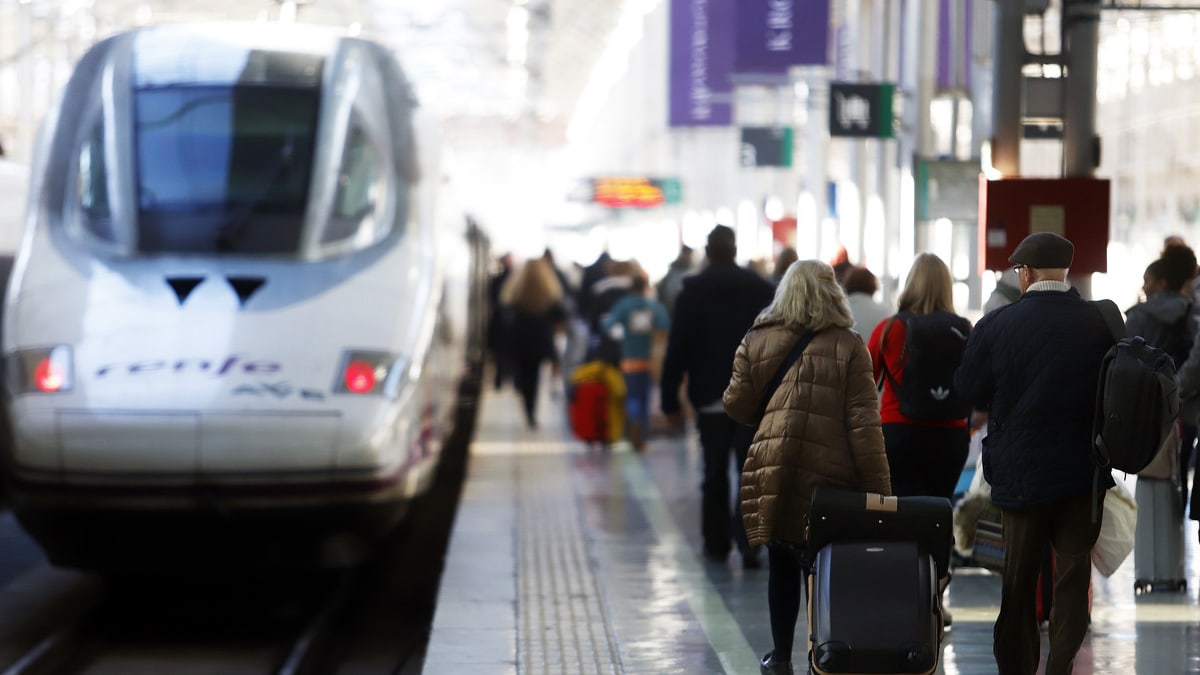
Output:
(1044, 250)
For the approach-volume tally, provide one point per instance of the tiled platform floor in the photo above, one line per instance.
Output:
(569, 560)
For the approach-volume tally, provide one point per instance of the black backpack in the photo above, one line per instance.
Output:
(933, 348)
(1137, 399)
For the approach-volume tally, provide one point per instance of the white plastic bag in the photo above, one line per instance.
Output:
(975, 449)
(1116, 531)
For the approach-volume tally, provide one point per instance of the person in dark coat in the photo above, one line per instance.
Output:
(592, 274)
(1188, 377)
(534, 298)
(604, 294)
(714, 310)
(498, 323)
(1033, 366)
(671, 283)
(782, 262)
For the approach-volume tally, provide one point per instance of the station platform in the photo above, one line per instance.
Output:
(570, 560)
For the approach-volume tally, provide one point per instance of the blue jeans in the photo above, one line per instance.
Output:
(637, 398)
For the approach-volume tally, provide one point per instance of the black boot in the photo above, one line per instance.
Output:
(769, 665)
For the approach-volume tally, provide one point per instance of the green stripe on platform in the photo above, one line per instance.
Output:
(722, 629)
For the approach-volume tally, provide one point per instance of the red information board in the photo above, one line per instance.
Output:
(1010, 209)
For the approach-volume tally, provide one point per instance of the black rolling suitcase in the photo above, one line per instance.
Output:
(873, 592)
(1158, 539)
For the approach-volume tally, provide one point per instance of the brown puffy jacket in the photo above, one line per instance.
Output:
(820, 428)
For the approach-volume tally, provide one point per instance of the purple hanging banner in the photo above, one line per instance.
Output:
(968, 9)
(701, 63)
(773, 35)
(948, 59)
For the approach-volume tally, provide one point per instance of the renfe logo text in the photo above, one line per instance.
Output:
(230, 365)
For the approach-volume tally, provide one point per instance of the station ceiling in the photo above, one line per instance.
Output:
(487, 66)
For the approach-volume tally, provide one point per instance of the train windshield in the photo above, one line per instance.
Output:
(223, 168)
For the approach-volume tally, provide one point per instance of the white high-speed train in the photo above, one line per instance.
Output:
(237, 300)
(14, 184)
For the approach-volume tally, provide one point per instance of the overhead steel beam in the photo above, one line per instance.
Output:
(1149, 8)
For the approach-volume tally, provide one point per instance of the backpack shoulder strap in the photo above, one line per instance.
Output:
(1112, 316)
(887, 373)
(777, 378)
(1100, 455)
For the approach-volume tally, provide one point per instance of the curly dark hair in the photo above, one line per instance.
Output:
(1179, 265)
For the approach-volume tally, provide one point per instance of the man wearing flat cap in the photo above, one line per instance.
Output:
(1031, 370)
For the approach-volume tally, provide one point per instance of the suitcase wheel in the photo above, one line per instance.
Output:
(1144, 586)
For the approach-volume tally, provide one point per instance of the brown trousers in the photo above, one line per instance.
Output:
(1067, 525)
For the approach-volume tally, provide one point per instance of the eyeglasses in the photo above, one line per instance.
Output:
(1018, 267)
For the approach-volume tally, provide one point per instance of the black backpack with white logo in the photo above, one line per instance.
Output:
(933, 347)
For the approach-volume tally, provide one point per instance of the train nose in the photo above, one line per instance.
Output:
(231, 442)
(198, 443)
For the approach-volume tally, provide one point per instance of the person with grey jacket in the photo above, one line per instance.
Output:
(1008, 289)
(860, 285)
(1166, 321)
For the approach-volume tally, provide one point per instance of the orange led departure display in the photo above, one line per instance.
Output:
(626, 192)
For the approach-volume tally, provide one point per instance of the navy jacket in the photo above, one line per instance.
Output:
(712, 314)
(1034, 365)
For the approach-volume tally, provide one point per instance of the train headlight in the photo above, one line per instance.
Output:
(360, 377)
(46, 370)
(367, 372)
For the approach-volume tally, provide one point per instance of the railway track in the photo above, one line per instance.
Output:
(373, 618)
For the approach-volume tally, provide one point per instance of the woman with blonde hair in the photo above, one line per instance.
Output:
(534, 297)
(925, 423)
(820, 426)
(925, 453)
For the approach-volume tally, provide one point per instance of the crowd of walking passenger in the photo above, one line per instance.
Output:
(804, 376)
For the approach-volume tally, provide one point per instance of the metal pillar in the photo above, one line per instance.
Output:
(27, 130)
(887, 179)
(981, 76)
(859, 21)
(1009, 50)
(816, 146)
(1081, 37)
(928, 26)
(927, 75)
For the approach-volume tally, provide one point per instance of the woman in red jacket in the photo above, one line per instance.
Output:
(925, 454)
(925, 423)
